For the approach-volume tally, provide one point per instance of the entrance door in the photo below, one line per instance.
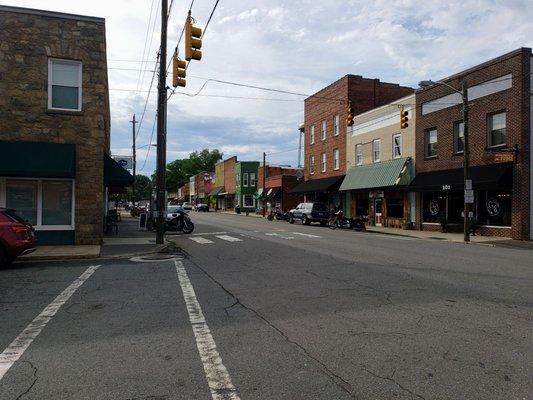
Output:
(377, 211)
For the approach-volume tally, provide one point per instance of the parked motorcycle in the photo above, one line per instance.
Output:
(180, 223)
(337, 220)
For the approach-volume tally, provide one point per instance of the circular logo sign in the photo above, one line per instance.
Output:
(493, 207)
(434, 207)
(122, 163)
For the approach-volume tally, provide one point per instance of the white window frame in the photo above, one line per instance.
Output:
(323, 160)
(359, 155)
(253, 179)
(336, 160)
(394, 147)
(50, 83)
(336, 120)
(378, 151)
(312, 165)
(312, 135)
(245, 180)
(244, 201)
(323, 129)
(39, 226)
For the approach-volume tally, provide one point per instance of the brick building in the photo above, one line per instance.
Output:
(499, 122)
(275, 190)
(325, 131)
(55, 168)
(229, 183)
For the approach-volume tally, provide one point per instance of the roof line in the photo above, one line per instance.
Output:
(51, 14)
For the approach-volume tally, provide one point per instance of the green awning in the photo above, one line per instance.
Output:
(114, 174)
(259, 194)
(37, 159)
(384, 174)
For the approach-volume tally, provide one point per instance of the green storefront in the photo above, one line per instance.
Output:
(246, 184)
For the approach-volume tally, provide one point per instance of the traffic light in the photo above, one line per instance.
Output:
(178, 71)
(349, 114)
(403, 119)
(193, 42)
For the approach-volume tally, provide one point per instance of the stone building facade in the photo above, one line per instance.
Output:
(54, 109)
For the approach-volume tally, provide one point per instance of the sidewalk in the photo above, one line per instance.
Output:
(251, 214)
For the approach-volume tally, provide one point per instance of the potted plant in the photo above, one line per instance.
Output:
(474, 226)
(443, 221)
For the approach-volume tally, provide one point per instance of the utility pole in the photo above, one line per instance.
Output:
(264, 184)
(161, 127)
(466, 165)
(133, 121)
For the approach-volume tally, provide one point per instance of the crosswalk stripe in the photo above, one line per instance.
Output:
(201, 240)
(307, 235)
(280, 236)
(229, 238)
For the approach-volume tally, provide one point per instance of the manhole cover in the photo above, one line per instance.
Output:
(157, 257)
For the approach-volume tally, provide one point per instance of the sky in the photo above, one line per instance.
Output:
(298, 46)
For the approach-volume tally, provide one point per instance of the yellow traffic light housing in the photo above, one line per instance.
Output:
(349, 114)
(178, 71)
(404, 118)
(193, 42)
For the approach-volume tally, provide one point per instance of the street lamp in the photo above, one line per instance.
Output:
(466, 151)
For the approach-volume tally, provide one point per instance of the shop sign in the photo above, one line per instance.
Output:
(446, 187)
(504, 157)
(374, 194)
(469, 196)
(493, 207)
(125, 162)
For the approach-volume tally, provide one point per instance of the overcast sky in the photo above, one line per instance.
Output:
(297, 45)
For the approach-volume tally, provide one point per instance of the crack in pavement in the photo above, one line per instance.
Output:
(338, 380)
(35, 377)
(391, 379)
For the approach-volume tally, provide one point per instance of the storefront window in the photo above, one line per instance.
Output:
(57, 203)
(434, 206)
(455, 207)
(361, 207)
(21, 195)
(494, 208)
(394, 208)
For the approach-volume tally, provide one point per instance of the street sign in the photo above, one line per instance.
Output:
(125, 162)
(468, 184)
(469, 196)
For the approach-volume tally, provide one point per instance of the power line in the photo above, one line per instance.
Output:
(181, 36)
(150, 143)
(147, 98)
(151, 39)
(145, 41)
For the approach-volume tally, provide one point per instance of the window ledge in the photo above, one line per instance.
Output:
(431, 158)
(498, 146)
(64, 112)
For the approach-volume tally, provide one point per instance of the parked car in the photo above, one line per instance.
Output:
(187, 206)
(309, 212)
(202, 207)
(17, 237)
(173, 211)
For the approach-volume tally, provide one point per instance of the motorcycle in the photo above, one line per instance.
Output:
(182, 222)
(337, 220)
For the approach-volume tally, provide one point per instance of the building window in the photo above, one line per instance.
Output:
(336, 125)
(431, 143)
(397, 145)
(359, 154)
(253, 179)
(497, 130)
(376, 150)
(45, 203)
(248, 200)
(312, 135)
(323, 131)
(323, 162)
(336, 159)
(433, 206)
(458, 137)
(64, 84)
(312, 165)
(245, 179)
(494, 207)
(394, 208)
(238, 179)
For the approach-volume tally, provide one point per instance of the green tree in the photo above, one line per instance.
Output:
(143, 188)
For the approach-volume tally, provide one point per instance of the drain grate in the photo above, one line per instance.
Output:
(165, 255)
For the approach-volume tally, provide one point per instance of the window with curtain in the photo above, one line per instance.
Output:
(431, 143)
(497, 130)
(336, 159)
(64, 84)
(397, 145)
(376, 150)
(359, 154)
(323, 162)
(458, 137)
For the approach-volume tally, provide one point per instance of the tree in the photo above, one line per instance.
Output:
(143, 188)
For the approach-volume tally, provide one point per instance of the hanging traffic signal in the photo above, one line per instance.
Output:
(349, 114)
(404, 118)
(178, 71)
(193, 42)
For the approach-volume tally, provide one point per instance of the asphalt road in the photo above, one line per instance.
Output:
(269, 310)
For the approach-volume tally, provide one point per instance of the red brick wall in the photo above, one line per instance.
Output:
(515, 101)
(229, 174)
(365, 95)
(273, 171)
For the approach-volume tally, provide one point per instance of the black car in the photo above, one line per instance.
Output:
(309, 212)
(202, 207)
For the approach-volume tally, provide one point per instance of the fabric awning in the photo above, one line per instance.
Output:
(272, 193)
(484, 177)
(216, 191)
(383, 174)
(37, 159)
(318, 185)
(114, 174)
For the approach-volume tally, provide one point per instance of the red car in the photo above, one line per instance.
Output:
(17, 237)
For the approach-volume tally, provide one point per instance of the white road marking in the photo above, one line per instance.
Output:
(280, 236)
(15, 350)
(306, 235)
(201, 240)
(229, 238)
(207, 233)
(216, 373)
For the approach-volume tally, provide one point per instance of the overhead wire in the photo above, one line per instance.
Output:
(145, 42)
(149, 143)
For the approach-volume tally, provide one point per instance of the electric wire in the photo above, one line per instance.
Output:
(145, 41)
(150, 143)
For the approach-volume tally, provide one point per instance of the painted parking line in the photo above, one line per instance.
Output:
(217, 375)
(15, 350)
(280, 236)
(306, 235)
(229, 238)
(201, 240)
(207, 233)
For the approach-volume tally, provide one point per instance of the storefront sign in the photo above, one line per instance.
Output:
(468, 184)
(504, 157)
(125, 162)
(374, 194)
(469, 196)
(446, 187)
